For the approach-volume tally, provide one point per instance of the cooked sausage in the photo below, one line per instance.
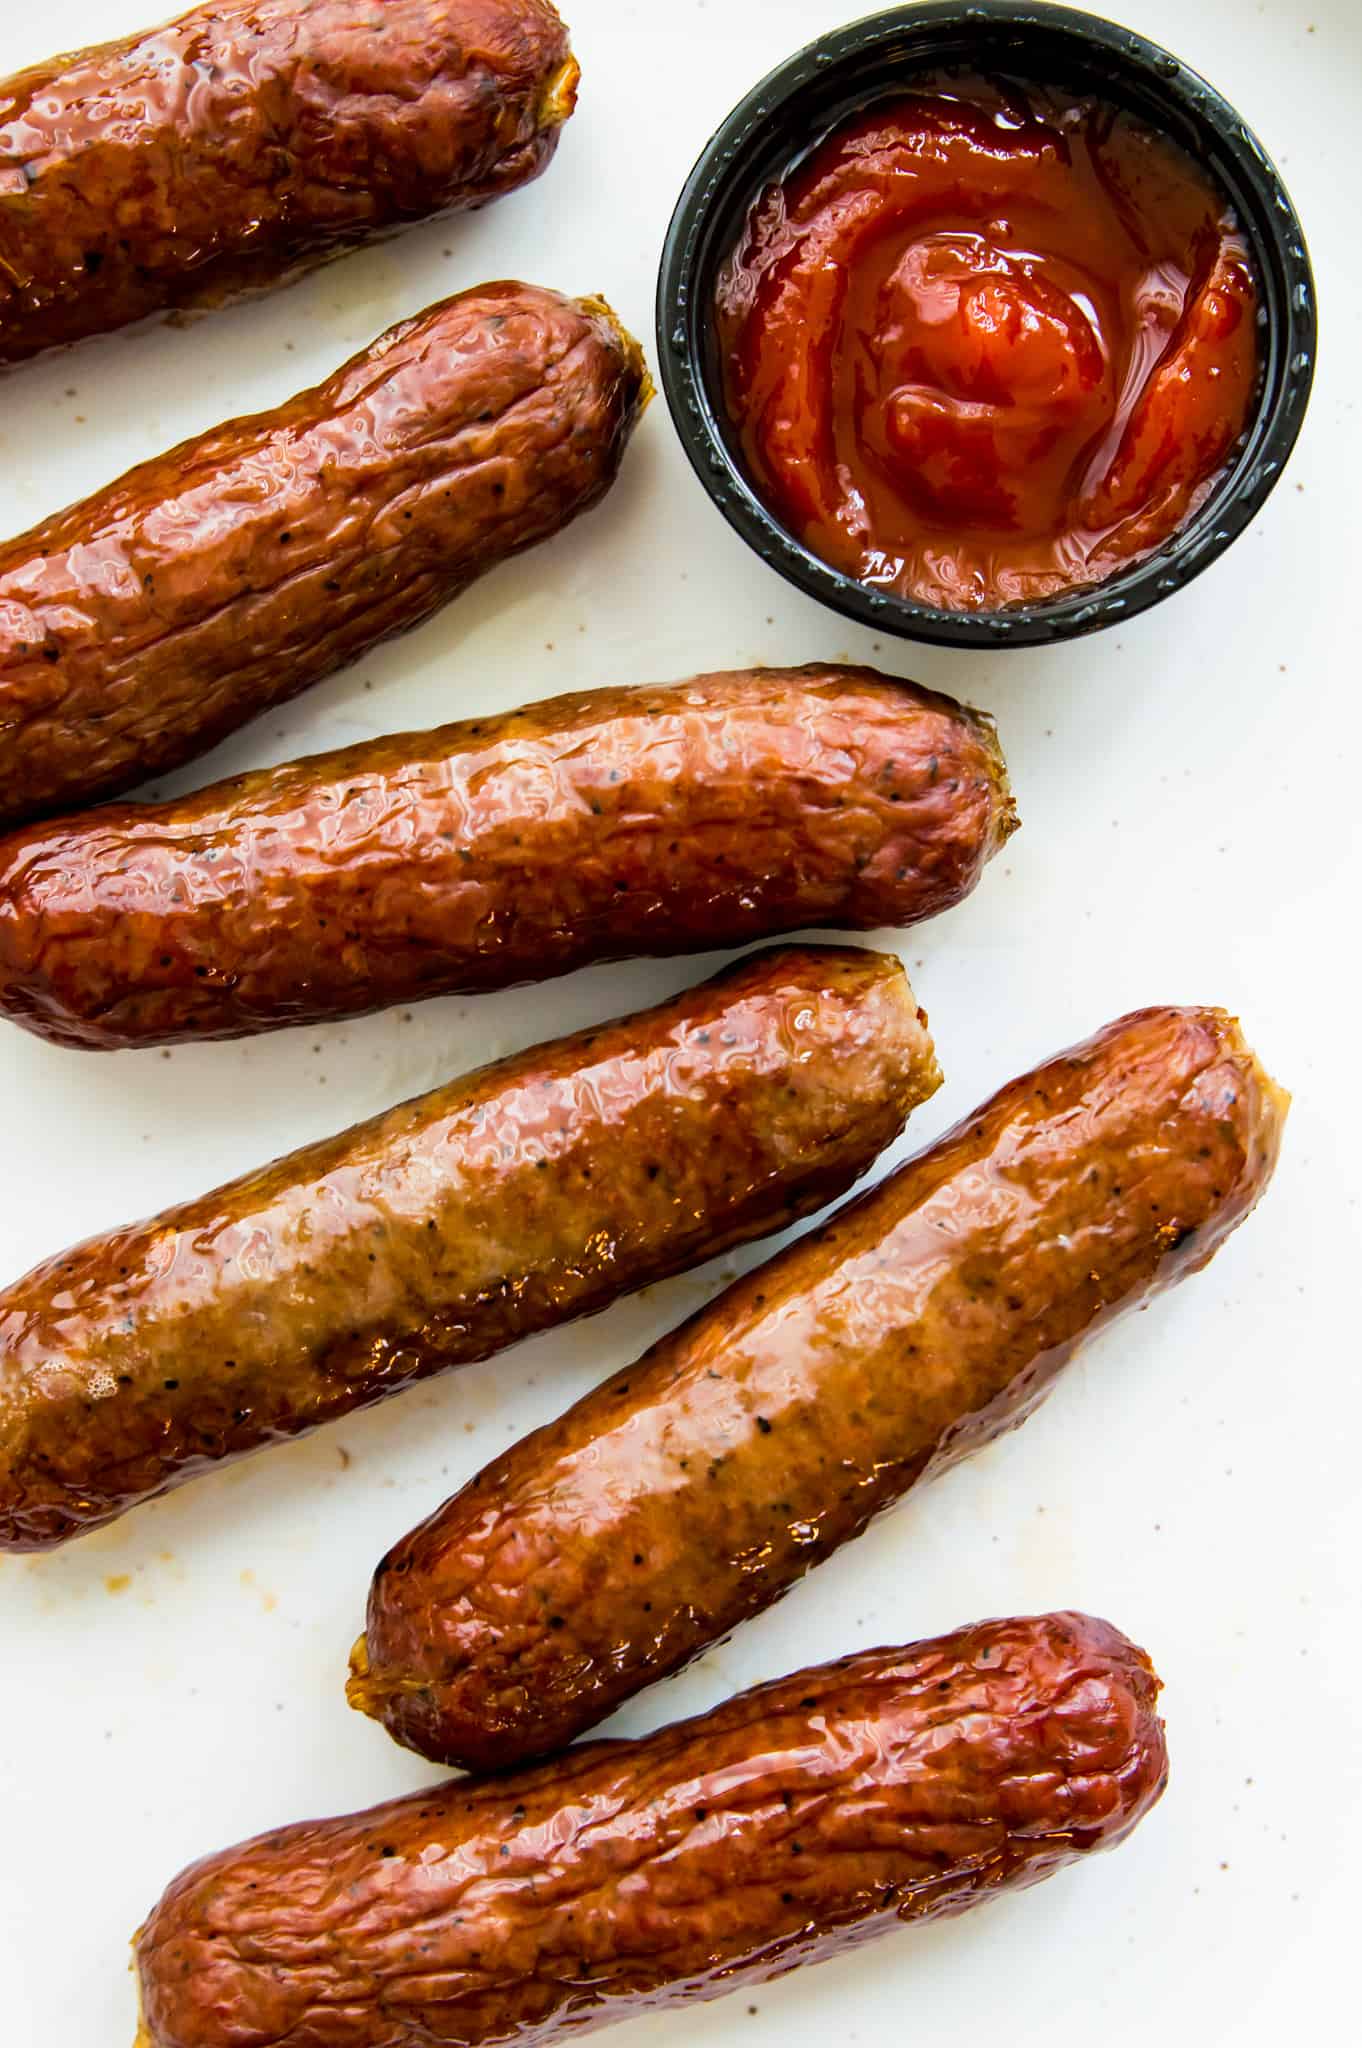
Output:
(144, 625)
(248, 140)
(501, 850)
(694, 1488)
(508, 1202)
(790, 1823)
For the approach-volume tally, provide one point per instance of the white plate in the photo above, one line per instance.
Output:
(1189, 793)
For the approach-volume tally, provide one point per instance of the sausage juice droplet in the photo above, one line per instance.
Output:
(989, 344)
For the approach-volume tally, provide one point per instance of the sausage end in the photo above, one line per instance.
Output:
(1006, 819)
(632, 350)
(559, 101)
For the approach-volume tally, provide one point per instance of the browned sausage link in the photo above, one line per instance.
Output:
(537, 1190)
(626, 1876)
(695, 1487)
(250, 139)
(502, 850)
(142, 626)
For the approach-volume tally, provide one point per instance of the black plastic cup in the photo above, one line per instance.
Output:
(813, 93)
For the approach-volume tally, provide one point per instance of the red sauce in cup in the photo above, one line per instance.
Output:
(988, 345)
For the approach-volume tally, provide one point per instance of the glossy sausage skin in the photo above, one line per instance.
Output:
(248, 140)
(502, 850)
(508, 1202)
(793, 1822)
(144, 625)
(694, 1488)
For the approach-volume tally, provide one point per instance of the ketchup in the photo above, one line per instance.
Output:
(988, 343)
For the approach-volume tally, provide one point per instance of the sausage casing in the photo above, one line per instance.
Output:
(694, 1488)
(247, 140)
(142, 626)
(500, 850)
(791, 1822)
(508, 1202)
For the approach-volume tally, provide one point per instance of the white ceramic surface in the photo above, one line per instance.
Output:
(1187, 787)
